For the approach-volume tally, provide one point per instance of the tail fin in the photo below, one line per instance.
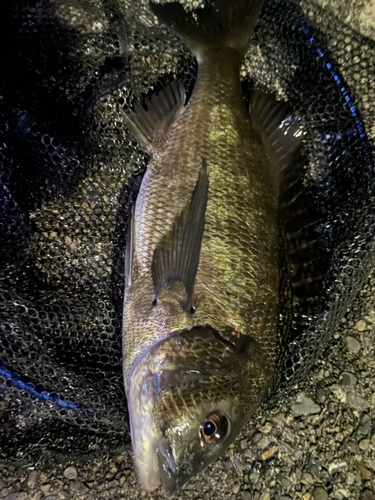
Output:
(225, 23)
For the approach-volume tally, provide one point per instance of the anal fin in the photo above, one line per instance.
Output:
(176, 257)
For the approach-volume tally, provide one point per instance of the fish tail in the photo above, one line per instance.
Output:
(224, 23)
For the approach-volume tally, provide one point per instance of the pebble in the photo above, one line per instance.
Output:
(20, 495)
(352, 344)
(269, 453)
(364, 444)
(285, 497)
(365, 473)
(256, 437)
(31, 479)
(278, 419)
(71, 472)
(304, 405)
(307, 478)
(337, 467)
(78, 487)
(368, 495)
(246, 495)
(265, 496)
(320, 395)
(371, 465)
(319, 493)
(266, 428)
(2, 484)
(361, 325)
(350, 478)
(45, 488)
(285, 481)
(262, 443)
(314, 471)
(348, 378)
(52, 497)
(357, 401)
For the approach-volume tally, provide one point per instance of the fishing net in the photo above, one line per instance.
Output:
(70, 171)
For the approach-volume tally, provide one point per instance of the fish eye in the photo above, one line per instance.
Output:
(215, 427)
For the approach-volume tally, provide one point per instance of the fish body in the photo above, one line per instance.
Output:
(202, 279)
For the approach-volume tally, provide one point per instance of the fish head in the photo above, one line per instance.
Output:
(188, 399)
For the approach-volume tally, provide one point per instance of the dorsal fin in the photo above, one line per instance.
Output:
(176, 256)
(161, 109)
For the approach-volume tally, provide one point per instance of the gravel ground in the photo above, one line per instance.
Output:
(317, 444)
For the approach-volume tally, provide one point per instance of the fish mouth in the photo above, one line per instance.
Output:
(167, 467)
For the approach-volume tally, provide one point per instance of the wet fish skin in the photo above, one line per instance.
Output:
(180, 365)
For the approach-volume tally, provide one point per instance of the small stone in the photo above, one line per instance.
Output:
(307, 478)
(2, 484)
(298, 454)
(20, 495)
(348, 378)
(43, 478)
(113, 484)
(352, 344)
(373, 440)
(306, 496)
(262, 443)
(71, 472)
(31, 479)
(320, 395)
(350, 478)
(361, 325)
(285, 481)
(365, 473)
(285, 497)
(357, 401)
(256, 437)
(266, 428)
(304, 405)
(246, 495)
(368, 495)
(45, 488)
(52, 497)
(120, 459)
(371, 465)
(78, 487)
(314, 471)
(319, 493)
(279, 419)
(337, 467)
(199, 486)
(269, 453)
(364, 444)
(265, 496)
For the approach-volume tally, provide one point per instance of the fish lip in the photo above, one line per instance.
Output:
(167, 467)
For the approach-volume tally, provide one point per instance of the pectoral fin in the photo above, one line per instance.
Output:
(176, 257)
(161, 109)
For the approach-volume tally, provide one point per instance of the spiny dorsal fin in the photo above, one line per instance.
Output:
(161, 109)
(176, 256)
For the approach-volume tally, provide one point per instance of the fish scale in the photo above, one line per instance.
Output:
(235, 276)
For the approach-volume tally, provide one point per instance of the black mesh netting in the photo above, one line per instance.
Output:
(70, 170)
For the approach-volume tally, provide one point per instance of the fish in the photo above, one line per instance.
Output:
(202, 265)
